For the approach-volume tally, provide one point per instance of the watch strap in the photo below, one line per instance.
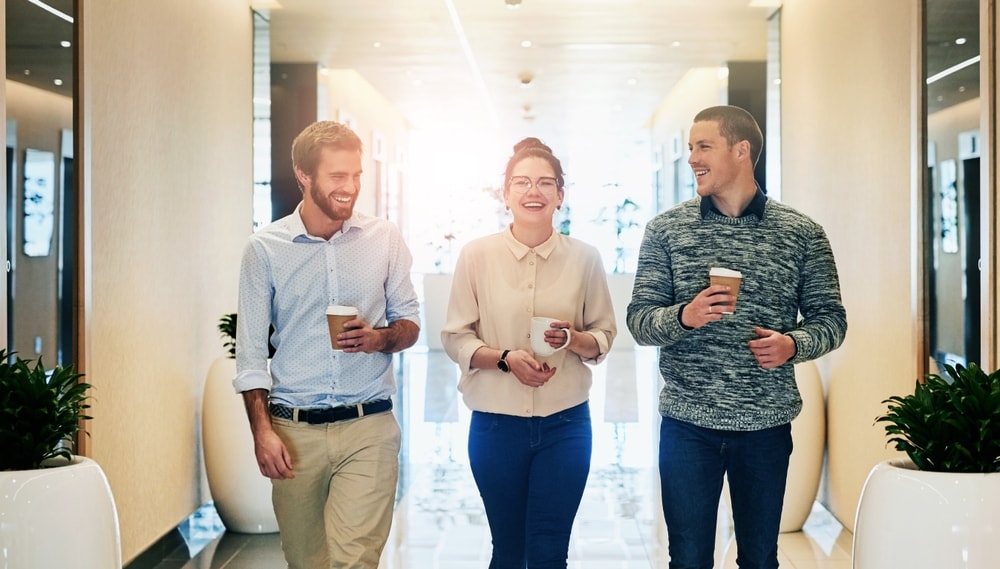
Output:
(502, 362)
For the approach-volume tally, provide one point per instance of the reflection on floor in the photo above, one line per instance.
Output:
(440, 523)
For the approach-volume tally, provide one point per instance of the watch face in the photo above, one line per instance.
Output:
(502, 364)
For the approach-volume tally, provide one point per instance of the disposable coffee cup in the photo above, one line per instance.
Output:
(336, 316)
(720, 276)
(539, 324)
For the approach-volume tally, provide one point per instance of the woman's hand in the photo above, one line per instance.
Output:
(527, 370)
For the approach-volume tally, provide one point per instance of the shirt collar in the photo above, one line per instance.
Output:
(755, 207)
(520, 249)
(297, 228)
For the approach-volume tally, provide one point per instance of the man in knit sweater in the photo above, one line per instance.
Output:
(729, 392)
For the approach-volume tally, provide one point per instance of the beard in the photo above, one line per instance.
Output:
(334, 210)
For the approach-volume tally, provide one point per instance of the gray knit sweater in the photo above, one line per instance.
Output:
(710, 377)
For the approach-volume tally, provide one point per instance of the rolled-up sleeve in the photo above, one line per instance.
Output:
(253, 322)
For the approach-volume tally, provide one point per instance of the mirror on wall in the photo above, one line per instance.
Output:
(41, 204)
(953, 188)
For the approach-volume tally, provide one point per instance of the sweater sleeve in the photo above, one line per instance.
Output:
(652, 314)
(823, 325)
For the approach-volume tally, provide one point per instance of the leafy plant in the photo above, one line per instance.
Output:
(39, 411)
(227, 329)
(949, 425)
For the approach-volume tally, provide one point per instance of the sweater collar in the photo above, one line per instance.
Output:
(755, 207)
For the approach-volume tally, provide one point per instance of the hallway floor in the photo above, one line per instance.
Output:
(440, 524)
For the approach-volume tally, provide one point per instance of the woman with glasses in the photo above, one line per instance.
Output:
(530, 437)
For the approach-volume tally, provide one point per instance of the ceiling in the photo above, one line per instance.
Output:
(595, 70)
(598, 69)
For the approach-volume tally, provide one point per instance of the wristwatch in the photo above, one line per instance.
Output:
(502, 364)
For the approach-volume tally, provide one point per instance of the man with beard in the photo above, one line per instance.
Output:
(320, 417)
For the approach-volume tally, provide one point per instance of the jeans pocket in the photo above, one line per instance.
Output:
(482, 422)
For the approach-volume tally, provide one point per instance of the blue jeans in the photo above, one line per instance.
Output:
(531, 472)
(693, 461)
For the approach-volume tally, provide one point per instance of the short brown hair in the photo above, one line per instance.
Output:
(309, 144)
(735, 124)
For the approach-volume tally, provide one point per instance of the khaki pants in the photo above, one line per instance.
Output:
(337, 511)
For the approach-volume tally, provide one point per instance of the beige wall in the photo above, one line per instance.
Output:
(847, 78)
(167, 168)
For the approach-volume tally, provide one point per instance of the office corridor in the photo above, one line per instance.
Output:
(440, 523)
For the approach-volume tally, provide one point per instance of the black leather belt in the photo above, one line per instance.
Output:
(329, 414)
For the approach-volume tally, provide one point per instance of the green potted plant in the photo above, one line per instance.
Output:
(949, 425)
(40, 412)
(936, 507)
(227, 329)
(50, 495)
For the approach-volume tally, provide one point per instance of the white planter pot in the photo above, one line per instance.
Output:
(62, 516)
(436, 291)
(620, 286)
(808, 443)
(911, 519)
(242, 495)
(805, 465)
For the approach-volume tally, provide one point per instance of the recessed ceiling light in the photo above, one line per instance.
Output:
(526, 43)
(27, 72)
(57, 81)
(65, 43)
(960, 41)
(377, 44)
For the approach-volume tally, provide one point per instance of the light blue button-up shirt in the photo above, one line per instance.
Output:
(288, 278)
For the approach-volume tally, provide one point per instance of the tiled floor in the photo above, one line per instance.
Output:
(440, 522)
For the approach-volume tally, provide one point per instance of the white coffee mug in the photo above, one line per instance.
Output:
(539, 324)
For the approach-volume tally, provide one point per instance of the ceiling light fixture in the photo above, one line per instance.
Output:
(952, 69)
(52, 10)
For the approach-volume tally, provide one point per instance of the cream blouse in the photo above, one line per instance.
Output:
(498, 286)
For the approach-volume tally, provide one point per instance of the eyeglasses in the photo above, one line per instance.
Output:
(544, 184)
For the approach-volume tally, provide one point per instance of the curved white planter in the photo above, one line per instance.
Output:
(242, 496)
(63, 516)
(808, 443)
(913, 519)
